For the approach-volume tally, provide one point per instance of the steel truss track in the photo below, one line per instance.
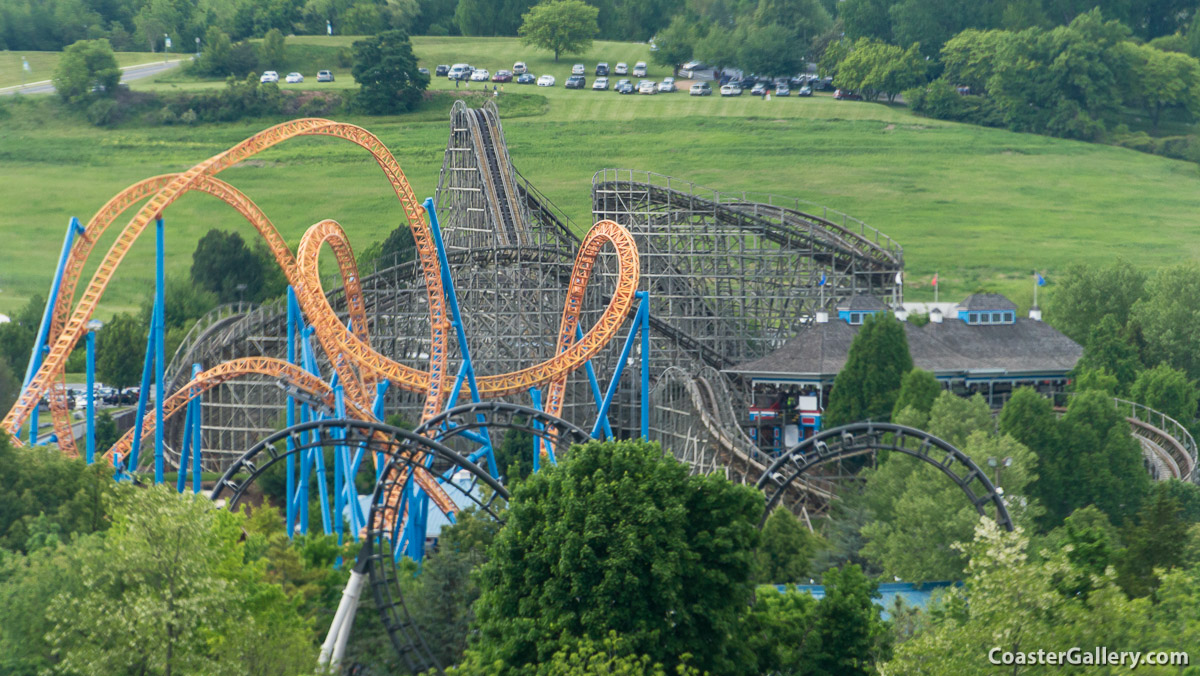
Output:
(862, 438)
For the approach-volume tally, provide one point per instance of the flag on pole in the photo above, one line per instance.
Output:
(1041, 281)
(934, 283)
(328, 27)
(822, 282)
(899, 279)
(25, 65)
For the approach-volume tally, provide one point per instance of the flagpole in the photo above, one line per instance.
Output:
(1035, 286)
(935, 288)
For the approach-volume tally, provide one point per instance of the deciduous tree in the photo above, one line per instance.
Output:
(560, 26)
(1086, 292)
(120, 350)
(87, 69)
(1167, 390)
(386, 71)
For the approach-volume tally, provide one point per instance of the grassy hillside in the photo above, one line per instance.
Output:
(42, 65)
(983, 207)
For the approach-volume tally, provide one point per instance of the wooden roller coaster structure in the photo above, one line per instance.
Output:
(357, 365)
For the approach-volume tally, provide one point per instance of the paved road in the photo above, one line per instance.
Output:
(127, 73)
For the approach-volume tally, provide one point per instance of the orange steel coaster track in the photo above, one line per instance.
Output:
(358, 366)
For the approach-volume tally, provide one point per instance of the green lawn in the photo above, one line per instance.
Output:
(984, 207)
(42, 65)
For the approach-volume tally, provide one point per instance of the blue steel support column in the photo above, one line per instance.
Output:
(39, 344)
(467, 369)
(91, 397)
(196, 435)
(634, 329)
(645, 396)
(159, 348)
(591, 374)
(381, 389)
(185, 450)
(131, 461)
(291, 414)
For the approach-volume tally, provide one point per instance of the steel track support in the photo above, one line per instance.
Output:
(640, 320)
(91, 398)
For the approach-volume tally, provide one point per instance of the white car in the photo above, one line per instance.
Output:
(647, 87)
(639, 69)
(701, 89)
(459, 71)
(293, 78)
(578, 69)
(622, 69)
(731, 90)
(481, 75)
(546, 81)
(600, 83)
(519, 68)
(269, 76)
(667, 85)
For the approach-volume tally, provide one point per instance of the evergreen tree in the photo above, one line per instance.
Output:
(386, 71)
(120, 350)
(867, 386)
(1029, 418)
(919, 389)
(1103, 462)
(1155, 542)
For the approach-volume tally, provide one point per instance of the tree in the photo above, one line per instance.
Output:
(675, 43)
(1160, 81)
(804, 19)
(785, 551)
(866, 19)
(1167, 390)
(1110, 348)
(1167, 318)
(560, 26)
(969, 58)
(618, 537)
(183, 303)
(272, 52)
(1155, 542)
(170, 591)
(851, 637)
(918, 389)
(17, 336)
(1087, 292)
(770, 49)
(781, 630)
(120, 351)
(222, 263)
(87, 68)
(216, 58)
(719, 47)
(1096, 437)
(873, 68)
(932, 22)
(386, 71)
(10, 385)
(866, 387)
(1029, 418)
(954, 418)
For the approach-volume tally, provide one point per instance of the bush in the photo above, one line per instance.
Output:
(937, 99)
(102, 112)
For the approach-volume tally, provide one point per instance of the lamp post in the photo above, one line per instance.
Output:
(998, 465)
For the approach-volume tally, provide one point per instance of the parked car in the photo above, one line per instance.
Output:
(441, 70)
(804, 91)
(502, 76)
(575, 82)
(545, 81)
(294, 78)
(731, 89)
(639, 69)
(667, 85)
(269, 76)
(578, 69)
(481, 75)
(327, 75)
(526, 78)
(624, 87)
(759, 89)
(846, 95)
(602, 69)
(459, 71)
(622, 68)
(701, 89)
(822, 84)
(783, 90)
(647, 87)
(600, 83)
(519, 68)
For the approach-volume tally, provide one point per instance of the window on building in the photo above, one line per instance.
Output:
(973, 318)
(1010, 317)
(856, 318)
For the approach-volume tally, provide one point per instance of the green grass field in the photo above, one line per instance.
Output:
(984, 207)
(42, 65)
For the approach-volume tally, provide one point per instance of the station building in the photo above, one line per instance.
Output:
(980, 346)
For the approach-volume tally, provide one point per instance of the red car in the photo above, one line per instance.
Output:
(502, 76)
(846, 95)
